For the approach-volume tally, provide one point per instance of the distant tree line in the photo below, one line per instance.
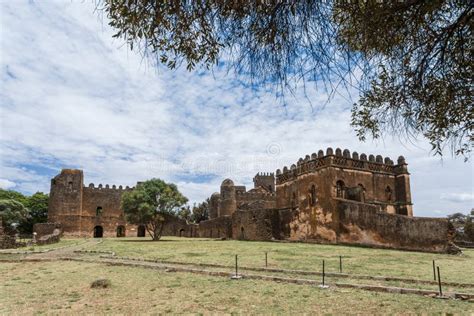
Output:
(20, 212)
(464, 225)
(195, 214)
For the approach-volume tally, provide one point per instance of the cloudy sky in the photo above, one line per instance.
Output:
(73, 97)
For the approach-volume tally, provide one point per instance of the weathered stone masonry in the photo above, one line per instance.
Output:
(328, 197)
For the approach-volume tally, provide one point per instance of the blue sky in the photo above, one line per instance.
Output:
(74, 97)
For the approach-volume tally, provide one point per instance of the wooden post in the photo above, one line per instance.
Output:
(340, 264)
(266, 260)
(323, 273)
(236, 268)
(439, 283)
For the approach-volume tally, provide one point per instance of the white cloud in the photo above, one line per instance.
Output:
(458, 197)
(71, 96)
(6, 184)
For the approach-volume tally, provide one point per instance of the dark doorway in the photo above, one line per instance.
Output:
(181, 232)
(141, 231)
(98, 232)
(403, 211)
(120, 231)
(242, 234)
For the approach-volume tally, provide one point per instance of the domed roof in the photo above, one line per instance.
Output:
(227, 183)
(215, 194)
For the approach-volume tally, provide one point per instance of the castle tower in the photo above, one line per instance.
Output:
(228, 203)
(265, 180)
(402, 188)
(214, 205)
(65, 197)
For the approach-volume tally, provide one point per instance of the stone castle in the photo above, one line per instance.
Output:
(328, 197)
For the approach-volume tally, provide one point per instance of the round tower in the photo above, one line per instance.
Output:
(228, 203)
(214, 205)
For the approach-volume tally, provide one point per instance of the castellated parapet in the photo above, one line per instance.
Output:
(342, 174)
(87, 210)
(343, 159)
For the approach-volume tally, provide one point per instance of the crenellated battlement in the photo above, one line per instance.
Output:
(265, 174)
(107, 187)
(343, 159)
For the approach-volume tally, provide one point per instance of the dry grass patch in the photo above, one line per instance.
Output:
(64, 287)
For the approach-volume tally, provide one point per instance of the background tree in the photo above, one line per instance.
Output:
(469, 229)
(200, 211)
(185, 213)
(152, 203)
(35, 205)
(411, 61)
(12, 213)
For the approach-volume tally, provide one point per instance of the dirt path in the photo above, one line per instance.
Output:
(62, 252)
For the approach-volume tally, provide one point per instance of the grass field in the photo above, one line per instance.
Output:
(300, 256)
(60, 287)
(64, 287)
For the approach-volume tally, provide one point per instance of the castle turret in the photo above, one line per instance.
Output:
(265, 180)
(214, 205)
(228, 203)
(402, 188)
(65, 197)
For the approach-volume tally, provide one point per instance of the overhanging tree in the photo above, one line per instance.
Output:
(151, 203)
(411, 61)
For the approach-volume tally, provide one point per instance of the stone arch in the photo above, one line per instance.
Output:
(362, 192)
(242, 233)
(181, 232)
(98, 231)
(98, 211)
(340, 189)
(294, 201)
(120, 231)
(388, 194)
(141, 231)
(312, 195)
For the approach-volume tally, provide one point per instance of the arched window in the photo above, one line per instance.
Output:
(362, 192)
(388, 194)
(340, 187)
(312, 196)
(98, 211)
(293, 199)
(69, 186)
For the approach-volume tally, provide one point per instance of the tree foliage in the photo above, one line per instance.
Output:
(12, 214)
(152, 203)
(200, 212)
(36, 207)
(469, 229)
(411, 61)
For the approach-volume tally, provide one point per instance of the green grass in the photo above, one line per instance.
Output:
(64, 288)
(356, 260)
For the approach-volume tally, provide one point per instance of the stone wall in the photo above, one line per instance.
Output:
(261, 224)
(179, 227)
(220, 227)
(364, 224)
(42, 229)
